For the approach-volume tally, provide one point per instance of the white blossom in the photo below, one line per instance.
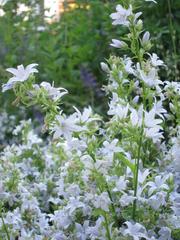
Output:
(136, 230)
(102, 201)
(150, 78)
(54, 93)
(65, 126)
(21, 74)
(155, 61)
(121, 16)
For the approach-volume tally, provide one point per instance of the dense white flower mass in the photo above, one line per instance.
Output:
(21, 74)
(95, 177)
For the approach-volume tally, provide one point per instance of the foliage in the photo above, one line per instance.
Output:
(69, 51)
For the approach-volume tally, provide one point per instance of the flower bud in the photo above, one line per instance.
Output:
(104, 67)
(145, 38)
(118, 44)
(146, 41)
(139, 25)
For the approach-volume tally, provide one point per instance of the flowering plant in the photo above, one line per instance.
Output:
(97, 179)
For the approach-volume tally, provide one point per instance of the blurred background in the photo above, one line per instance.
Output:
(69, 39)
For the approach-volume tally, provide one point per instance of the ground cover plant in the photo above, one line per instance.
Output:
(93, 178)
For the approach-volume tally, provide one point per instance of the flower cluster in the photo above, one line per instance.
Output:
(93, 178)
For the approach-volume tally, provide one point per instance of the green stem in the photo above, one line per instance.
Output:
(171, 27)
(107, 227)
(172, 37)
(112, 204)
(136, 172)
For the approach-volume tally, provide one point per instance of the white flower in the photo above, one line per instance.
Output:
(150, 121)
(155, 61)
(153, 128)
(125, 200)
(82, 230)
(143, 175)
(86, 116)
(109, 148)
(172, 87)
(96, 231)
(165, 233)
(151, 124)
(158, 184)
(121, 16)
(118, 107)
(150, 78)
(21, 74)
(32, 138)
(61, 218)
(158, 108)
(53, 93)
(117, 43)
(74, 204)
(121, 184)
(128, 65)
(136, 230)
(102, 201)
(157, 200)
(136, 117)
(65, 126)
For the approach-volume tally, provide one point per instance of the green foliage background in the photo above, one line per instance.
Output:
(70, 50)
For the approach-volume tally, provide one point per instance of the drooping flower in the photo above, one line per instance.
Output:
(21, 74)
